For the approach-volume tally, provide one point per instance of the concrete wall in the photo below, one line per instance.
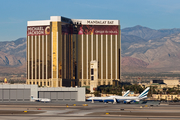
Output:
(23, 93)
(17, 92)
(68, 93)
(172, 82)
(81, 94)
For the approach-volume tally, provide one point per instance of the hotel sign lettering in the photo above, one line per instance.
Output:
(100, 22)
(38, 30)
(98, 29)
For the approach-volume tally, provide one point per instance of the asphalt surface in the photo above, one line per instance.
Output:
(87, 111)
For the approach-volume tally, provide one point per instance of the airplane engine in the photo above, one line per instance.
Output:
(114, 100)
(106, 101)
(127, 101)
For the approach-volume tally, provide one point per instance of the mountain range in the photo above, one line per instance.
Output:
(143, 50)
(13, 56)
(149, 50)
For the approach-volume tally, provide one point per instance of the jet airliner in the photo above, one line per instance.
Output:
(106, 99)
(41, 99)
(125, 98)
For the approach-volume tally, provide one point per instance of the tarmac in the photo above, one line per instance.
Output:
(88, 111)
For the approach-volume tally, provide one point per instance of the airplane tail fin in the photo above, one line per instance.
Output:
(144, 93)
(31, 97)
(126, 94)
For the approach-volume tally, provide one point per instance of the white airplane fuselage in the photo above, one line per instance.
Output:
(106, 99)
(41, 99)
(125, 99)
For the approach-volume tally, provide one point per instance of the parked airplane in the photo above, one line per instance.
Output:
(125, 99)
(128, 99)
(106, 99)
(41, 99)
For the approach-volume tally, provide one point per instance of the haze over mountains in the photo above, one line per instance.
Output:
(13, 56)
(149, 50)
(143, 50)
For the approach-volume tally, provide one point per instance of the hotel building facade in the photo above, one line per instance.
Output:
(73, 52)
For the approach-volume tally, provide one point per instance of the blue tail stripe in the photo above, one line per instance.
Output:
(144, 94)
(125, 94)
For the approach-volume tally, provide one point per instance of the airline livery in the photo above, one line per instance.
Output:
(125, 98)
(106, 99)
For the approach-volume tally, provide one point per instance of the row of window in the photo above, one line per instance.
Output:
(38, 83)
(99, 83)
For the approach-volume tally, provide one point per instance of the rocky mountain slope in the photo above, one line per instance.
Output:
(161, 53)
(13, 56)
(143, 50)
(148, 33)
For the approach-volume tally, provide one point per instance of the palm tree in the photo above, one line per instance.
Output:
(178, 87)
(164, 90)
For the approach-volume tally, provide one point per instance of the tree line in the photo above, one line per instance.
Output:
(137, 89)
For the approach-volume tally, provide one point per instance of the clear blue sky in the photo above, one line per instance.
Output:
(155, 14)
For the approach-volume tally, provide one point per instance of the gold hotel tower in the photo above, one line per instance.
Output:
(73, 52)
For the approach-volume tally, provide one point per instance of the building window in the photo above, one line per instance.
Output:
(99, 83)
(79, 84)
(59, 84)
(92, 71)
(104, 83)
(108, 83)
(84, 83)
(92, 77)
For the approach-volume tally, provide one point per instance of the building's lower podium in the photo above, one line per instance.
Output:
(23, 93)
(55, 82)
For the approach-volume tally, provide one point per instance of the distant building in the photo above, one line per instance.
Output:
(165, 97)
(73, 52)
(162, 83)
(165, 83)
